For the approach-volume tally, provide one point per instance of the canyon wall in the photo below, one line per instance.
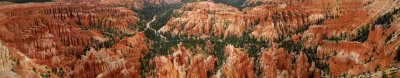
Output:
(61, 37)
(204, 19)
(6, 63)
(202, 38)
(316, 38)
(183, 63)
(45, 31)
(121, 60)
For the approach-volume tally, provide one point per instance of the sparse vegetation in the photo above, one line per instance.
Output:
(397, 58)
(17, 62)
(363, 34)
(45, 75)
(304, 41)
(389, 38)
(235, 3)
(58, 71)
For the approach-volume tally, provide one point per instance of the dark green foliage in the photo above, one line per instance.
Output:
(338, 38)
(377, 67)
(363, 34)
(397, 58)
(310, 52)
(384, 75)
(162, 19)
(384, 20)
(107, 32)
(311, 75)
(58, 71)
(388, 38)
(185, 1)
(387, 18)
(323, 67)
(291, 46)
(164, 13)
(85, 50)
(112, 41)
(17, 62)
(45, 75)
(34, 69)
(149, 11)
(162, 48)
(297, 47)
(235, 3)
(303, 28)
(25, 1)
(319, 22)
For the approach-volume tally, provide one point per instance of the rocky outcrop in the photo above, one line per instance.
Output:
(276, 62)
(52, 29)
(132, 4)
(6, 65)
(161, 1)
(373, 55)
(345, 44)
(356, 47)
(277, 22)
(183, 63)
(259, 38)
(121, 60)
(238, 64)
(258, 2)
(57, 36)
(206, 19)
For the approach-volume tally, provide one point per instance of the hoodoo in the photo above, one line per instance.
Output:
(199, 38)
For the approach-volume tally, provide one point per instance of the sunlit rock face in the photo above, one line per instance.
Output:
(205, 19)
(121, 60)
(357, 46)
(133, 4)
(43, 31)
(238, 63)
(280, 21)
(183, 63)
(372, 55)
(276, 62)
(200, 39)
(6, 63)
(57, 34)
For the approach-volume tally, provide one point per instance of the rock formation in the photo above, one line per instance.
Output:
(205, 19)
(276, 62)
(58, 34)
(238, 64)
(44, 31)
(200, 38)
(183, 63)
(121, 60)
(6, 63)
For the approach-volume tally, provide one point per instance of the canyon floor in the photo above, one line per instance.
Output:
(199, 38)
